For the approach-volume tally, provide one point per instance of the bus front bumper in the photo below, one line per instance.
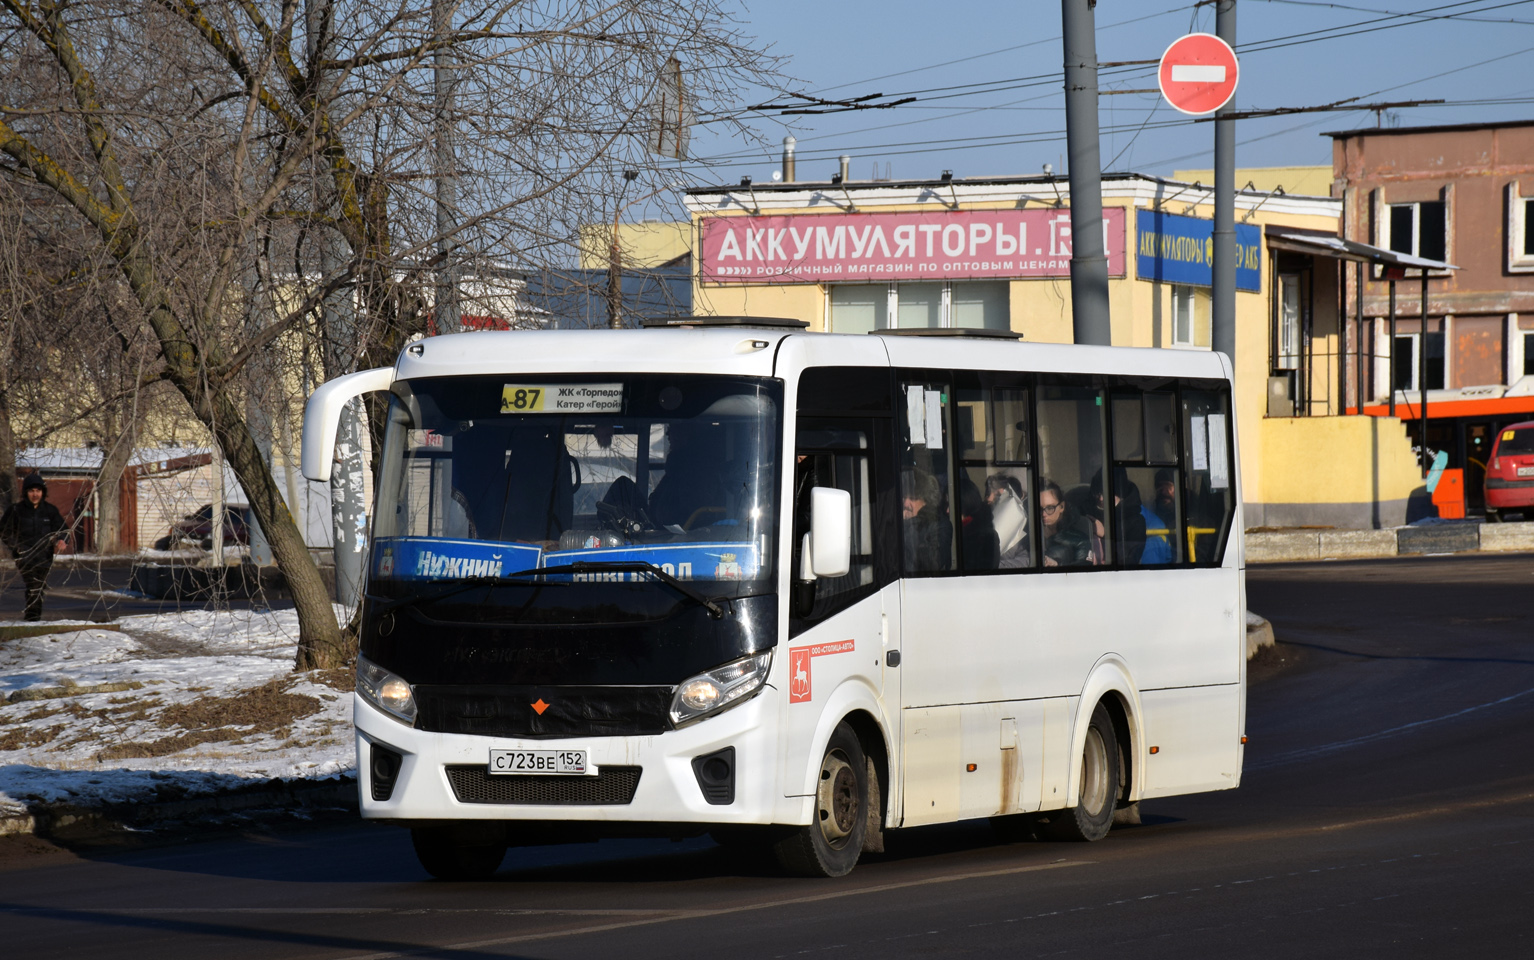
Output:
(668, 789)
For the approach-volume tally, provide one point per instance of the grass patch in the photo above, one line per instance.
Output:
(267, 709)
(68, 689)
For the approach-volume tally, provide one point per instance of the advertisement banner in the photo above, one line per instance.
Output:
(1175, 249)
(685, 561)
(873, 247)
(434, 558)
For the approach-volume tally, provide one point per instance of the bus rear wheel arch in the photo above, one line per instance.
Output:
(1102, 774)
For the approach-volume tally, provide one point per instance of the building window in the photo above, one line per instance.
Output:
(859, 308)
(980, 305)
(919, 305)
(1190, 316)
(1520, 230)
(1528, 354)
(1418, 229)
(1287, 354)
(1404, 365)
(862, 308)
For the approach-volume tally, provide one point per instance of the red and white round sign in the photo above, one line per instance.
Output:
(1198, 73)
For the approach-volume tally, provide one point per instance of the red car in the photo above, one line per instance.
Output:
(1510, 473)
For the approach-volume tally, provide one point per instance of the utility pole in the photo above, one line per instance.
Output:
(1223, 334)
(1089, 262)
(444, 77)
(615, 259)
(348, 517)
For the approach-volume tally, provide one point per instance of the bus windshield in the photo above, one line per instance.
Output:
(483, 477)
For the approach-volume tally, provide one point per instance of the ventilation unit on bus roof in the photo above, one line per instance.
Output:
(662, 322)
(973, 332)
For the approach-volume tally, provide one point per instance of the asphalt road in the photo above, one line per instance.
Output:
(1387, 809)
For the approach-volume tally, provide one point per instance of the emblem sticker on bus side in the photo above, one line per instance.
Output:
(799, 669)
(562, 398)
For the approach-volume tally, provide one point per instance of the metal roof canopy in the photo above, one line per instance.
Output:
(1329, 245)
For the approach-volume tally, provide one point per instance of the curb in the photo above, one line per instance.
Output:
(1299, 546)
(74, 824)
(1259, 634)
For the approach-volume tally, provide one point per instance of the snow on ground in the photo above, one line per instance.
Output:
(165, 706)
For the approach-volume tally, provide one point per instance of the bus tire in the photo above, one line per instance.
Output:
(830, 845)
(447, 856)
(1092, 815)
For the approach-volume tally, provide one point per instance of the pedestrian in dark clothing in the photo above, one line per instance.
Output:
(33, 529)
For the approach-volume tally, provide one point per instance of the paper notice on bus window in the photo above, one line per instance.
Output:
(1199, 440)
(1219, 457)
(934, 419)
(562, 398)
(915, 414)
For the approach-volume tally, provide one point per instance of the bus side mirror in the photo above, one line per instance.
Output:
(322, 416)
(827, 548)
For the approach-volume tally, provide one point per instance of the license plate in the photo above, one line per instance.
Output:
(562, 762)
(1526, 471)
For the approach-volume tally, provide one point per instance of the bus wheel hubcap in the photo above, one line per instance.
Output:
(1094, 774)
(837, 798)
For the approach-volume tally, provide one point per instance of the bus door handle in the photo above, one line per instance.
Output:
(892, 658)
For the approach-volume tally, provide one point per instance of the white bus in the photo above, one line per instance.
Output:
(731, 577)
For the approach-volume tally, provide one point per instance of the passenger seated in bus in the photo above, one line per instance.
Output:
(1009, 514)
(928, 534)
(977, 528)
(1067, 536)
(1166, 497)
(1128, 522)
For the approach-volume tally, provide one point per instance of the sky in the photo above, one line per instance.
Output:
(987, 75)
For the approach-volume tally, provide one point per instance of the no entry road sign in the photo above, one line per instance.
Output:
(1198, 73)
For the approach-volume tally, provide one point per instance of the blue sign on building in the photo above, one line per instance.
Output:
(1174, 249)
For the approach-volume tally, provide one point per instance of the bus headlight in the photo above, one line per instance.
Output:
(384, 690)
(717, 689)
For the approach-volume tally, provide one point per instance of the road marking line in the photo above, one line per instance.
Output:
(722, 911)
(1325, 748)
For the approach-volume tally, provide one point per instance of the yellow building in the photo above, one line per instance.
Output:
(651, 243)
(1313, 181)
(995, 252)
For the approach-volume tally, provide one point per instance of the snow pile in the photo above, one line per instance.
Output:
(164, 707)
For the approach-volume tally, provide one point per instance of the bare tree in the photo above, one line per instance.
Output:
(242, 180)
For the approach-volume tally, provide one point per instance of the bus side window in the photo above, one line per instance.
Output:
(1209, 478)
(1075, 529)
(926, 491)
(995, 489)
(1145, 477)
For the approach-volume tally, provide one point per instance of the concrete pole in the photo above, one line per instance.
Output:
(448, 314)
(1089, 263)
(348, 510)
(1224, 293)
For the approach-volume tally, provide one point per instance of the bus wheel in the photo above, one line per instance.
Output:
(447, 856)
(1092, 815)
(830, 845)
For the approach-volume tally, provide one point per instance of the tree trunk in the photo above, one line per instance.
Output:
(322, 644)
(109, 526)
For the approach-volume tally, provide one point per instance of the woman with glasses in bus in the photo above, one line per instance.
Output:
(1067, 536)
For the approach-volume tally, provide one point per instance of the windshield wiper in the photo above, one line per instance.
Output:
(455, 587)
(644, 566)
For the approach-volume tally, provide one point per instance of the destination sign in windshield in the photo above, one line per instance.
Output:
(562, 398)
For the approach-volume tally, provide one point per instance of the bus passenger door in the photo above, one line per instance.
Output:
(841, 629)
